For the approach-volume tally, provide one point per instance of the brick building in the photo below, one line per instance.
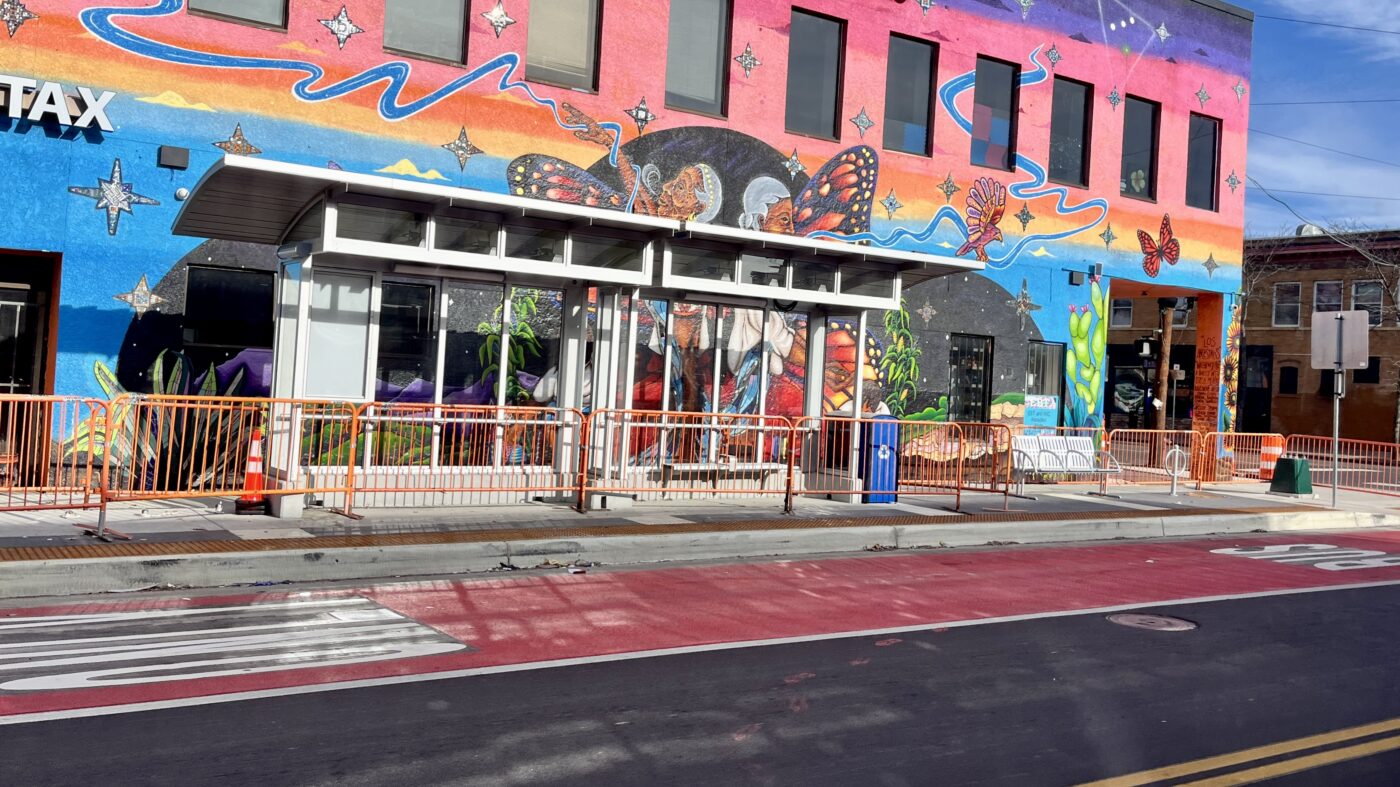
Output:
(1287, 280)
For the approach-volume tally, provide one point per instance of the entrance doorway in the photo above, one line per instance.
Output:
(27, 284)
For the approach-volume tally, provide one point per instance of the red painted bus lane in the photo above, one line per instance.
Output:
(103, 652)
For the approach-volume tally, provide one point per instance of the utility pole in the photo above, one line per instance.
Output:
(1164, 359)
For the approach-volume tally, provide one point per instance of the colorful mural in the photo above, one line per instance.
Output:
(324, 92)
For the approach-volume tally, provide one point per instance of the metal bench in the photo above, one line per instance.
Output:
(1043, 455)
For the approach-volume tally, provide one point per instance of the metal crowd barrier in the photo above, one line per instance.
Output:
(1143, 453)
(38, 471)
(1364, 465)
(923, 458)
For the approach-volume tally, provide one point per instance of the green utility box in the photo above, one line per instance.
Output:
(1292, 476)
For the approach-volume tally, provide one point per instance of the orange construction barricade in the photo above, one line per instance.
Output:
(1269, 455)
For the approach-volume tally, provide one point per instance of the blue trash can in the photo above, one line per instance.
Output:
(879, 459)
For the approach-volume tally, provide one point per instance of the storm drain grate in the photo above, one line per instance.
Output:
(1138, 620)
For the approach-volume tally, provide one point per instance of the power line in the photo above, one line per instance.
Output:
(1326, 24)
(1332, 195)
(1368, 256)
(1254, 130)
(1316, 103)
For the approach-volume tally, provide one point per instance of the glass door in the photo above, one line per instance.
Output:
(20, 341)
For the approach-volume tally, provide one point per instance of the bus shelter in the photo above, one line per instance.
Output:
(487, 336)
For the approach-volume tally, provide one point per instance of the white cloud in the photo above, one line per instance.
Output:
(1355, 13)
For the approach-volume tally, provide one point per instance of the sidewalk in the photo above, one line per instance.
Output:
(191, 544)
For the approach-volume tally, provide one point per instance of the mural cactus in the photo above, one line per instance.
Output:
(1085, 359)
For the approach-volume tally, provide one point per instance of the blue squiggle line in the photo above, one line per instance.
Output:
(395, 75)
(1033, 188)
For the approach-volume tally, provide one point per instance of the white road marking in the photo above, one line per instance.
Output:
(139, 707)
(1103, 501)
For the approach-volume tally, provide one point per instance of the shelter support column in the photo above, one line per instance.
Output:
(574, 368)
(1210, 326)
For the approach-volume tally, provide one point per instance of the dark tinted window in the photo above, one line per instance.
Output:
(1139, 148)
(264, 12)
(994, 114)
(434, 28)
(407, 364)
(1069, 133)
(814, 74)
(1203, 162)
(561, 43)
(908, 90)
(1288, 380)
(1371, 375)
(697, 61)
(227, 310)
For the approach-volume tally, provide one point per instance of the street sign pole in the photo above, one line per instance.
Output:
(1339, 378)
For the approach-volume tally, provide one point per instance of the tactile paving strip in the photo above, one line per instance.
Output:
(158, 549)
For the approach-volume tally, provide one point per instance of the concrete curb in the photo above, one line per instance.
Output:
(119, 574)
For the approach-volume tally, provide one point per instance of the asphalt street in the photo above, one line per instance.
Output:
(1060, 700)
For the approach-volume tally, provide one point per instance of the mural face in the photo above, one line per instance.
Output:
(324, 93)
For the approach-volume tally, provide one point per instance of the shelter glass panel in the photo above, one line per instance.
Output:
(381, 225)
(338, 335)
(473, 342)
(473, 236)
(535, 243)
(406, 365)
(599, 251)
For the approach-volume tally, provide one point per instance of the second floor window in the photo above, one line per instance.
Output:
(1069, 133)
(561, 43)
(1139, 148)
(1203, 162)
(264, 12)
(994, 114)
(433, 28)
(1327, 296)
(697, 60)
(1370, 296)
(1287, 304)
(908, 90)
(814, 74)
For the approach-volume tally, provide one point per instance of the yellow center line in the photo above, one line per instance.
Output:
(1277, 769)
(1246, 756)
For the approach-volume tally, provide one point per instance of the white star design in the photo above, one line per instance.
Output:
(1240, 90)
(498, 18)
(927, 312)
(1023, 304)
(640, 115)
(341, 27)
(925, 5)
(1210, 265)
(14, 15)
(114, 196)
(793, 164)
(141, 299)
(1202, 96)
(1162, 33)
(863, 122)
(462, 148)
(891, 204)
(747, 61)
(1026, 8)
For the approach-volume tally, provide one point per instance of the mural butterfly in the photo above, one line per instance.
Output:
(837, 199)
(1166, 247)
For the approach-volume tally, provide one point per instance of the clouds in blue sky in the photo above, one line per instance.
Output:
(1303, 62)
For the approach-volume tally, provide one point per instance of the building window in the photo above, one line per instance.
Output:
(909, 76)
(1327, 296)
(561, 43)
(994, 114)
(227, 311)
(1287, 304)
(1326, 383)
(1368, 295)
(1288, 380)
(814, 74)
(970, 378)
(1203, 162)
(1371, 375)
(1069, 132)
(433, 28)
(1139, 177)
(1121, 315)
(1181, 315)
(697, 55)
(272, 13)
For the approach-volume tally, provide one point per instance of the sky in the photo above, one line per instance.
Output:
(1295, 62)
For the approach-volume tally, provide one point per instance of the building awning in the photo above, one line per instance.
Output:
(256, 200)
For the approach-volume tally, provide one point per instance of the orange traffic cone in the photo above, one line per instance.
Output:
(252, 501)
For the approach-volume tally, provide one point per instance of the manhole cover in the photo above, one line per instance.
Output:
(1151, 622)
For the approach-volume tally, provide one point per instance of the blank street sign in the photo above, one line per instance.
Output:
(1355, 328)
